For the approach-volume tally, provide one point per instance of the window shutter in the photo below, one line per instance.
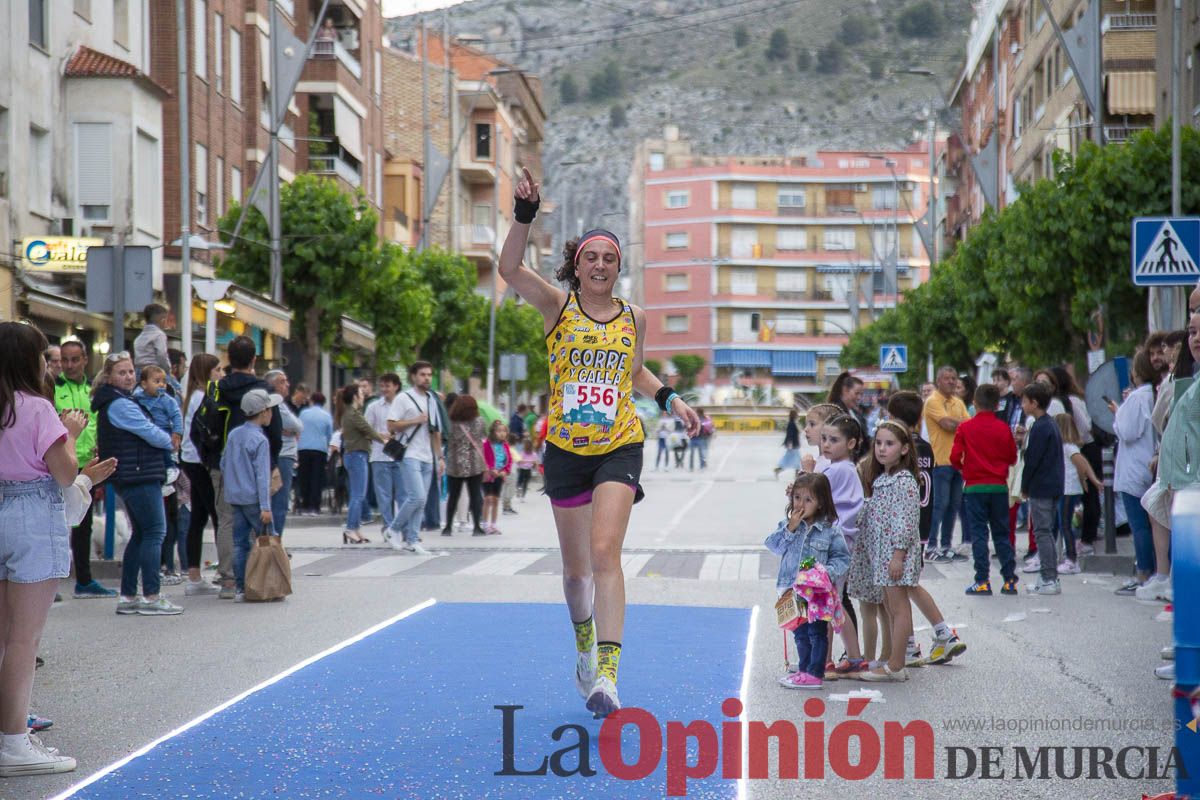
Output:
(94, 172)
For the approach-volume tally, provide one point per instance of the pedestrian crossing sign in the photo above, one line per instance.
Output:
(893, 358)
(1166, 251)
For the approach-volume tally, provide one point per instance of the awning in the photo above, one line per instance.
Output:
(254, 309)
(793, 363)
(64, 309)
(741, 358)
(357, 335)
(348, 128)
(1131, 92)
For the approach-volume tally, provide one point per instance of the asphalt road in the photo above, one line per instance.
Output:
(1082, 661)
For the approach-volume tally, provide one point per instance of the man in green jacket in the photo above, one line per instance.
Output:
(72, 390)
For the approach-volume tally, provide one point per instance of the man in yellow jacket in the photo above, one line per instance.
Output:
(72, 390)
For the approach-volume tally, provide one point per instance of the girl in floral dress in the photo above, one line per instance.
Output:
(889, 522)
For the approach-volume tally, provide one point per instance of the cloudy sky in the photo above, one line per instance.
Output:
(394, 8)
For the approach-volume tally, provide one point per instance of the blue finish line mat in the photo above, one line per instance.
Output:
(408, 711)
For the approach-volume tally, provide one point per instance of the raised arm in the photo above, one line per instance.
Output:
(534, 289)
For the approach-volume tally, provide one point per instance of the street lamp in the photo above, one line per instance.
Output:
(933, 197)
(188, 242)
(211, 292)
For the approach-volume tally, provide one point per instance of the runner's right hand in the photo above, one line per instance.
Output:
(527, 188)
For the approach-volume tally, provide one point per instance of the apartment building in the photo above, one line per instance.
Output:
(496, 126)
(81, 151)
(1017, 85)
(1189, 90)
(765, 266)
(333, 126)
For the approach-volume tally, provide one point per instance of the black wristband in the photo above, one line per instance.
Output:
(525, 210)
(662, 395)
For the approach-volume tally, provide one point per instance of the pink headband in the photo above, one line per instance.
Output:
(594, 235)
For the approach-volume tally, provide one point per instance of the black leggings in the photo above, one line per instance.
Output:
(81, 549)
(1091, 495)
(474, 497)
(204, 508)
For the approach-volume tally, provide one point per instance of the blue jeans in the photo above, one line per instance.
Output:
(355, 462)
(1143, 536)
(281, 500)
(947, 497)
(663, 456)
(247, 525)
(148, 524)
(986, 510)
(812, 640)
(389, 489)
(416, 477)
(1066, 510)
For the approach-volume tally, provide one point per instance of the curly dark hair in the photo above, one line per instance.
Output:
(566, 273)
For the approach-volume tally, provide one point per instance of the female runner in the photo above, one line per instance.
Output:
(593, 458)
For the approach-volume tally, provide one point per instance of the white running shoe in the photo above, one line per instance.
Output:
(197, 588)
(602, 700)
(416, 549)
(1158, 587)
(25, 755)
(1068, 567)
(1032, 564)
(586, 665)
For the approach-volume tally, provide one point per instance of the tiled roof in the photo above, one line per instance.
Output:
(89, 63)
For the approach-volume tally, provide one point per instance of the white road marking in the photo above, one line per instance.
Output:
(710, 570)
(635, 563)
(383, 567)
(501, 564)
(744, 696)
(237, 699)
(730, 567)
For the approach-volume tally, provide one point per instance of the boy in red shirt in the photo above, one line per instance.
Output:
(983, 451)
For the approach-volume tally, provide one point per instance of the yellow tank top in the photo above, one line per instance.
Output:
(591, 382)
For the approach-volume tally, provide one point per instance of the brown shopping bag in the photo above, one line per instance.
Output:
(268, 571)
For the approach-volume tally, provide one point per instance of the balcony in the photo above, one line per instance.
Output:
(1128, 22)
(476, 241)
(334, 49)
(1120, 134)
(334, 165)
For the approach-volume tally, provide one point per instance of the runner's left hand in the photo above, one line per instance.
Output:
(690, 418)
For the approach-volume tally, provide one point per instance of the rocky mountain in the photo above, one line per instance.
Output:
(746, 77)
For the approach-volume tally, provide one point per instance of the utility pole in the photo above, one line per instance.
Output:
(491, 370)
(424, 240)
(183, 314)
(1167, 302)
(273, 163)
(452, 118)
(933, 197)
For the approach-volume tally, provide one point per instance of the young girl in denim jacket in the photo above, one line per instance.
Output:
(811, 531)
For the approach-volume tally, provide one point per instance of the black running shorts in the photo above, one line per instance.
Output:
(570, 478)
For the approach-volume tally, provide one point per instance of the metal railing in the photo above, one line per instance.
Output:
(332, 48)
(1128, 22)
(332, 165)
(1119, 134)
(476, 235)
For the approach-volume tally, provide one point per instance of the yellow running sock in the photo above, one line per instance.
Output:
(610, 657)
(585, 635)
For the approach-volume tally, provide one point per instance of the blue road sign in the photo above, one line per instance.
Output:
(893, 358)
(1166, 251)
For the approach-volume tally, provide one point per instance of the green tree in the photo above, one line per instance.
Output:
(1027, 281)
(520, 329)
(857, 28)
(568, 92)
(328, 246)
(778, 48)
(654, 366)
(688, 366)
(921, 19)
(741, 37)
(831, 58)
(616, 116)
(607, 83)
(394, 299)
(458, 312)
(803, 59)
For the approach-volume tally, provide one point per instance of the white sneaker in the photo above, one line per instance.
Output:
(586, 665)
(1045, 587)
(1166, 672)
(1068, 567)
(162, 607)
(602, 700)
(397, 543)
(1086, 549)
(22, 755)
(416, 549)
(1032, 564)
(197, 588)
(1156, 589)
(171, 579)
